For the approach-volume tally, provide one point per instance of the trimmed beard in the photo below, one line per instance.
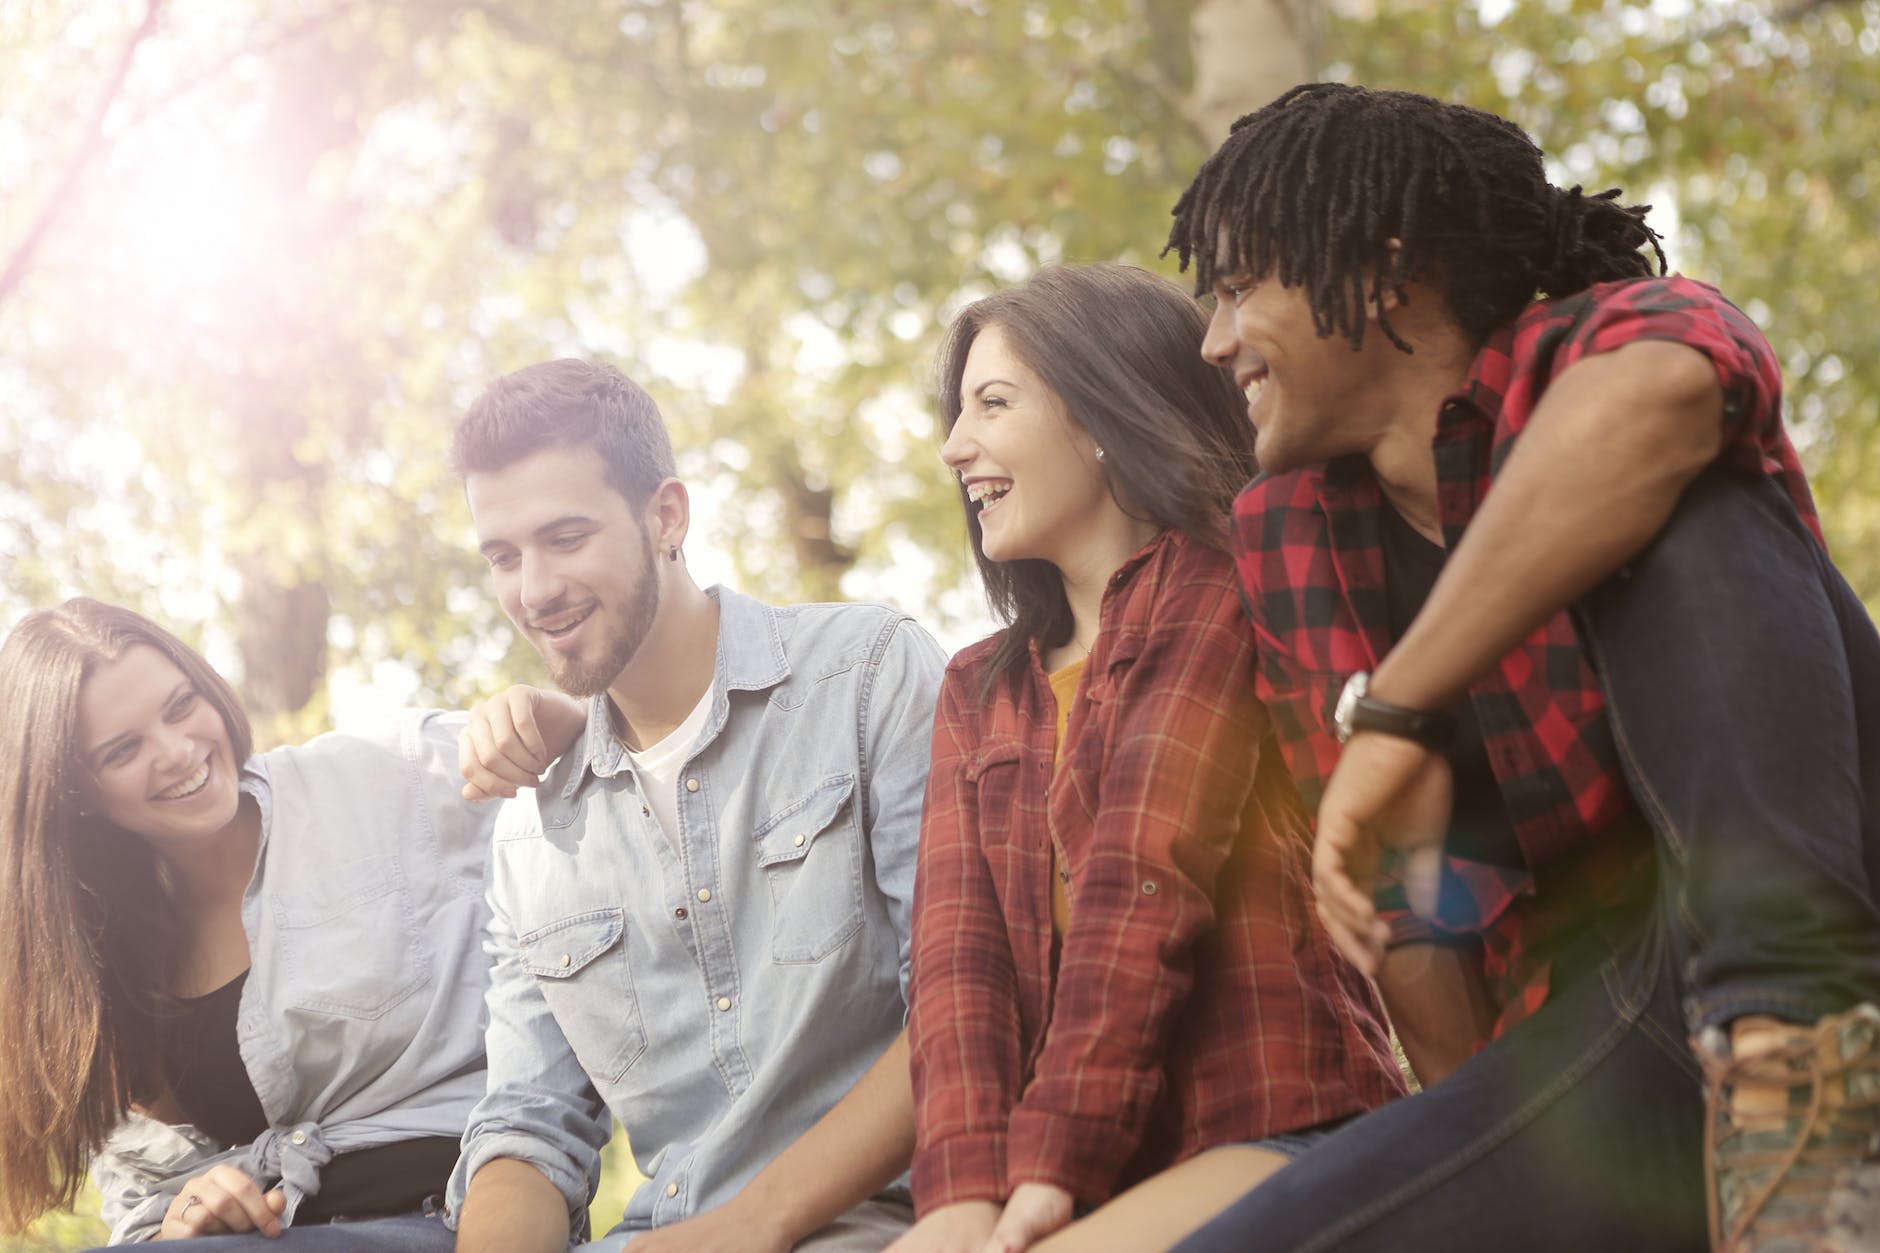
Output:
(636, 616)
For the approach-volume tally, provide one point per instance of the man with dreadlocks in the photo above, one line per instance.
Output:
(1532, 546)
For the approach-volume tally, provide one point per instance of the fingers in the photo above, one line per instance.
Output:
(1034, 1212)
(502, 749)
(222, 1200)
(1343, 879)
(961, 1227)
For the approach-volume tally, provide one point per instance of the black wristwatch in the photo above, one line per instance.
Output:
(1358, 711)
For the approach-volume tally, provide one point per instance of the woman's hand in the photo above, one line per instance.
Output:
(219, 1201)
(963, 1227)
(513, 737)
(1034, 1212)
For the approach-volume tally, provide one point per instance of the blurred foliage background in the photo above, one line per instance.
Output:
(257, 256)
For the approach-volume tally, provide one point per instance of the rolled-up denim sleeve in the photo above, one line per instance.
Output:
(140, 1169)
(540, 1106)
(897, 734)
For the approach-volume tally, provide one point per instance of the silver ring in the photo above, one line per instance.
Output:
(189, 1203)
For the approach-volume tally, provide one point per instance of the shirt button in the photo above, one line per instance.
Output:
(566, 961)
(298, 1137)
(724, 1003)
(798, 841)
(679, 912)
(672, 1189)
(645, 812)
(704, 894)
(1148, 888)
(691, 785)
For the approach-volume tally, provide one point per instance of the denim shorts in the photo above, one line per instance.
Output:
(1290, 1144)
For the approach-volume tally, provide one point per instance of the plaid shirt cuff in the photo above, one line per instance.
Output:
(1082, 1156)
(967, 1167)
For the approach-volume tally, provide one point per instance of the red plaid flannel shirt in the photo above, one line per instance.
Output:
(1311, 565)
(1196, 1000)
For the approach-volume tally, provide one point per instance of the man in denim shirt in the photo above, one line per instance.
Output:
(700, 913)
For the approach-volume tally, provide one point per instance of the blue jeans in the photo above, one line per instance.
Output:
(1743, 678)
(402, 1233)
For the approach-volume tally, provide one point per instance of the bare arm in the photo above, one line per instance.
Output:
(853, 1152)
(1614, 441)
(1612, 444)
(511, 1207)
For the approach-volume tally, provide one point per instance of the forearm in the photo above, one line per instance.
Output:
(511, 1207)
(1438, 1005)
(851, 1153)
(1592, 479)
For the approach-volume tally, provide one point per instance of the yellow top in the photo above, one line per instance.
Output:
(1064, 687)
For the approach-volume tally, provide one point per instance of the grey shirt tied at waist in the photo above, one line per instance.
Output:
(361, 1019)
(719, 998)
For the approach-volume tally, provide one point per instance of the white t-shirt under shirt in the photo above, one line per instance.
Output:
(658, 766)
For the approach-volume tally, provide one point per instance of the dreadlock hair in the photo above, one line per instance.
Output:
(1314, 186)
(1121, 348)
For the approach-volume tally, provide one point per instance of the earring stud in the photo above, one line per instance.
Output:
(1099, 452)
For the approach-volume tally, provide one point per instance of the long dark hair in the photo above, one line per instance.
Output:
(1316, 185)
(1122, 350)
(89, 939)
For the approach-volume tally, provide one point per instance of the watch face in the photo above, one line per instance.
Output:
(1355, 687)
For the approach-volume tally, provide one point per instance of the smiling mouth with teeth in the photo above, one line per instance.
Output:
(555, 633)
(198, 780)
(985, 493)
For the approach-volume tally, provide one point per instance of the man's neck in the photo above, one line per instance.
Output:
(671, 670)
(1414, 386)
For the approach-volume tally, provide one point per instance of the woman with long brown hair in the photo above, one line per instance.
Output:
(1120, 989)
(243, 988)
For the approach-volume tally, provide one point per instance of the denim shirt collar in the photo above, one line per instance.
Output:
(750, 658)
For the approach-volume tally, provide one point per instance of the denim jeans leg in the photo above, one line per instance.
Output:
(1580, 1129)
(1743, 677)
(404, 1233)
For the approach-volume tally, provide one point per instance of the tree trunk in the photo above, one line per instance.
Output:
(1246, 52)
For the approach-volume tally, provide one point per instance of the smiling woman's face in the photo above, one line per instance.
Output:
(157, 754)
(1029, 469)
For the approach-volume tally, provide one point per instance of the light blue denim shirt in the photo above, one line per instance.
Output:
(718, 1000)
(361, 1020)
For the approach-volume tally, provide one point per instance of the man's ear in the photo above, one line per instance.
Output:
(668, 516)
(1384, 297)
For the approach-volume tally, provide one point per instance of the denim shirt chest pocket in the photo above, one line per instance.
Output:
(809, 849)
(386, 963)
(580, 965)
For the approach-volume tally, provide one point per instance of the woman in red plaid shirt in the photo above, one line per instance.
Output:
(1117, 970)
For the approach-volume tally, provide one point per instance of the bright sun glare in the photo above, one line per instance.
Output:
(185, 218)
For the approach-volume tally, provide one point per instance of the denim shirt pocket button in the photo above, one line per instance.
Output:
(809, 851)
(580, 964)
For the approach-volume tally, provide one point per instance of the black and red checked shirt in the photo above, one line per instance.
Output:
(1197, 1000)
(1309, 550)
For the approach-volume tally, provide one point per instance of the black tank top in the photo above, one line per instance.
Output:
(210, 1085)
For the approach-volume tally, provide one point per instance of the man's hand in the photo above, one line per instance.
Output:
(513, 737)
(1386, 793)
(963, 1227)
(1034, 1211)
(730, 1228)
(220, 1201)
